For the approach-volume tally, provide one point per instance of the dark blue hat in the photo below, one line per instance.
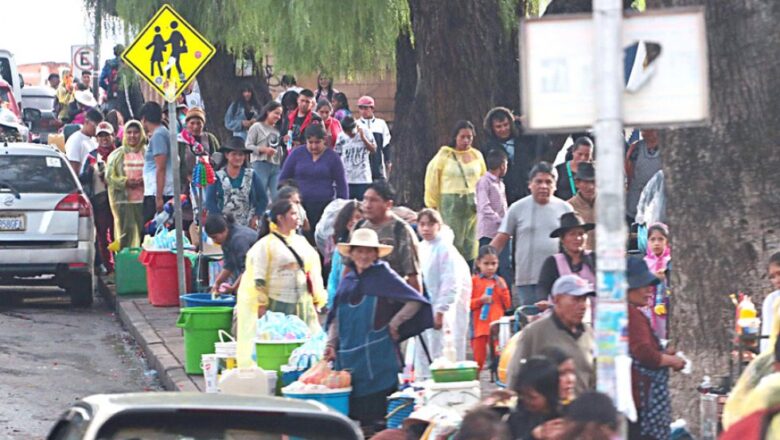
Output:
(638, 274)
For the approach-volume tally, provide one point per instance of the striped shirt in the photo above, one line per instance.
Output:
(491, 205)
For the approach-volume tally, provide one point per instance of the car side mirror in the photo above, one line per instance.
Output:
(31, 115)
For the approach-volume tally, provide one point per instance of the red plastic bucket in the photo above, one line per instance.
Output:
(161, 277)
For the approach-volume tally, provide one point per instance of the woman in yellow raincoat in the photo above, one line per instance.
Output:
(283, 274)
(124, 176)
(451, 187)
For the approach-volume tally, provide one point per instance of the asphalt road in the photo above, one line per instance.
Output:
(52, 354)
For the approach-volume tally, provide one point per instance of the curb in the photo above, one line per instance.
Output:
(170, 372)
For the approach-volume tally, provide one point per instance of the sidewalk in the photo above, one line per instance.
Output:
(155, 331)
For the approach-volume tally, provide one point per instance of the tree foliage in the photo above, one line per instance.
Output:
(303, 36)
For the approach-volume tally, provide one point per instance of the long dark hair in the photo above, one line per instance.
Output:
(541, 375)
(253, 102)
(320, 89)
(279, 207)
(340, 231)
(460, 125)
(268, 108)
(341, 98)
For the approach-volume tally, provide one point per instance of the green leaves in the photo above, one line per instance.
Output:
(342, 37)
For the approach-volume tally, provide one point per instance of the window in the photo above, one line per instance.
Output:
(35, 174)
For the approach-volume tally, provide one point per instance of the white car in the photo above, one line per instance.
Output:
(200, 416)
(47, 234)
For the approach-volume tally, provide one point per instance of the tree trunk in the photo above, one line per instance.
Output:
(461, 52)
(721, 181)
(219, 86)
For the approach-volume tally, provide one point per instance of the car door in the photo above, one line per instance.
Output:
(39, 201)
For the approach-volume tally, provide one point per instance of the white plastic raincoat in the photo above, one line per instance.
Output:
(447, 279)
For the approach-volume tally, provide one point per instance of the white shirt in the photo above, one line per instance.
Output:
(78, 146)
(376, 125)
(354, 154)
(768, 317)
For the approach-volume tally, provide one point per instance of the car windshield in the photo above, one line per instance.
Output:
(225, 425)
(36, 174)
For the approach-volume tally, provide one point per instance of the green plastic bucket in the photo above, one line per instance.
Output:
(271, 355)
(201, 330)
(130, 272)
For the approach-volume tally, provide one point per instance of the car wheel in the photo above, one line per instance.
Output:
(80, 290)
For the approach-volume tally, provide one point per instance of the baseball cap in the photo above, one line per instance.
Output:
(365, 101)
(572, 285)
(104, 127)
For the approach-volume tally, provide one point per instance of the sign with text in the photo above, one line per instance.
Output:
(82, 58)
(666, 70)
(168, 53)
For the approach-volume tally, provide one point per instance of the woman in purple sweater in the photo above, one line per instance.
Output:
(319, 173)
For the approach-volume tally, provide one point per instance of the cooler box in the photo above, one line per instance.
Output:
(459, 396)
(337, 399)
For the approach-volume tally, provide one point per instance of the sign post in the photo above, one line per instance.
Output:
(599, 70)
(611, 309)
(168, 53)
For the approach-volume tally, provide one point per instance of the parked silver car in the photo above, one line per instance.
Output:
(196, 416)
(47, 232)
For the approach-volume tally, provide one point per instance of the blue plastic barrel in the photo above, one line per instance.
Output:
(205, 300)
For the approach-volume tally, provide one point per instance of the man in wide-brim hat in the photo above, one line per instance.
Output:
(584, 202)
(238, 190)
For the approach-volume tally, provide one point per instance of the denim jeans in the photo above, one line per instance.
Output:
(526, 295)
(269, 175)
(504, 261)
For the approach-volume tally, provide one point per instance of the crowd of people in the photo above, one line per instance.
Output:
(502, 228)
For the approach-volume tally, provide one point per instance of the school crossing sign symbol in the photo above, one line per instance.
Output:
(168, 53)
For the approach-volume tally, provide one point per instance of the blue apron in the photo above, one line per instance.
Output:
(369, 354)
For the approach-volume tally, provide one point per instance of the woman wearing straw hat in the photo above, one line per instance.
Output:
(374, 310)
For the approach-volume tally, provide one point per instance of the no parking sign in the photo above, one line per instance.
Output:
(82, 58)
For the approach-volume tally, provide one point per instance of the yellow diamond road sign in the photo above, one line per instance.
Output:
(168, 53)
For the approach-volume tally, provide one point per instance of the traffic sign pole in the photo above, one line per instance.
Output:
(177, 216)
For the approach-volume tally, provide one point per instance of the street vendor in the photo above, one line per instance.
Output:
(282, 274)
(235, 240)
(374, 310)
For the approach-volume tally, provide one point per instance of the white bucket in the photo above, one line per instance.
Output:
(226, 349)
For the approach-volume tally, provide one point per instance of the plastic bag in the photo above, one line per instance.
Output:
(323, 233)
(308, 354)
(165, 239)
(322, 374)
(275, 326)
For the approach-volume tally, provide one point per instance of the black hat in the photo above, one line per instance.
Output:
(586, 172)
(235, 144)
(571, 220)
(638, 274)
(592, 406)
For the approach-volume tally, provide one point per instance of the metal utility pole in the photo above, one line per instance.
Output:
(98, 36)
(177, 216)
(611, 229)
